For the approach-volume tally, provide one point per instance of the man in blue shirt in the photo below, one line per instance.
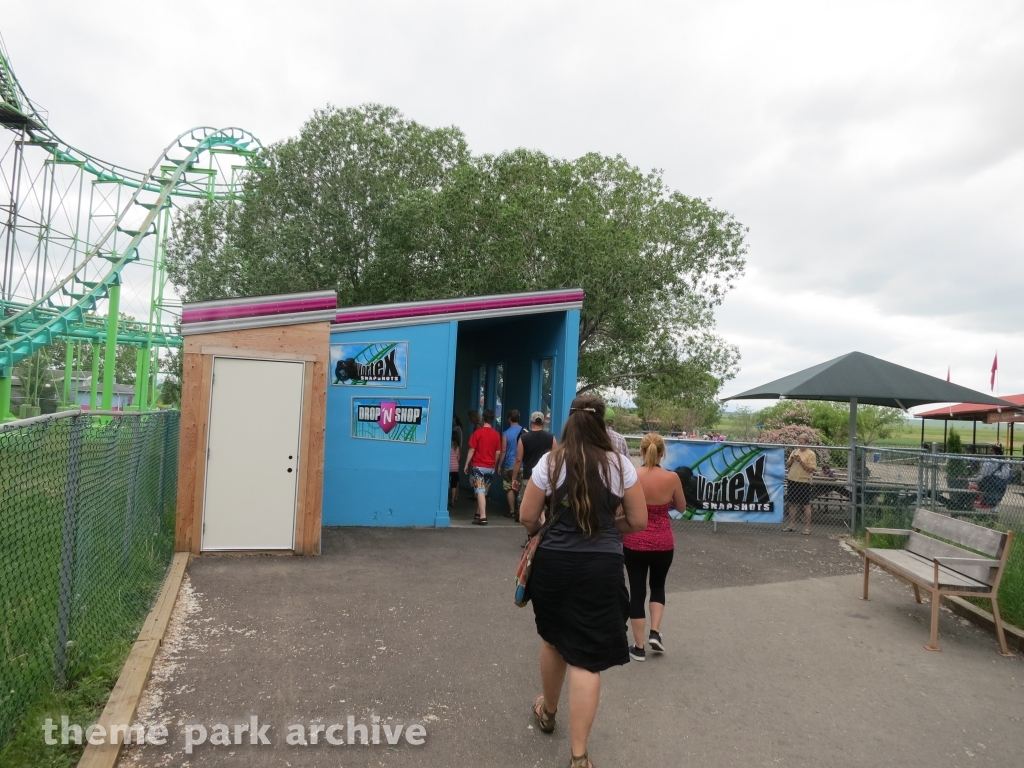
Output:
(509, 441)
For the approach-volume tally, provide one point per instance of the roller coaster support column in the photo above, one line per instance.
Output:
(5, 395)
(69, 364)
(142, 377)
(110, 351)
(95, 380)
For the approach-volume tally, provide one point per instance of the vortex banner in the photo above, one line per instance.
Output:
(732, 482)
(370, 364)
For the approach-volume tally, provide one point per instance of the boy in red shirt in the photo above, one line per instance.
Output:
(484, 447)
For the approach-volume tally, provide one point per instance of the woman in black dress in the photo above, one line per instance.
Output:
(579, 595)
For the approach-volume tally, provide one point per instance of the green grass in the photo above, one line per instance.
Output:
(907, 435)
(1011, 590)
(119, 561)
(81, 703)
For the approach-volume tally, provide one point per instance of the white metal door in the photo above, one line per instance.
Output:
(253, 458)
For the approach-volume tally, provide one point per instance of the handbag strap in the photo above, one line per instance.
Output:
(556, 510)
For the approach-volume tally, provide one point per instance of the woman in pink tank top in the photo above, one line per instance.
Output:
(651, 550)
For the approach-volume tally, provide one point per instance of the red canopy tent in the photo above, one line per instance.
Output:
(987, 414)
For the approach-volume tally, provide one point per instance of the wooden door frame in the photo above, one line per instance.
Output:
(208, 356)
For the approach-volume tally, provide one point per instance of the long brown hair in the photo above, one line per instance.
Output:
(583, 452)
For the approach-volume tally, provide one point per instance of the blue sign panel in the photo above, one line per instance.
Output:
(736, 482)
(400, 420)
(370, 364)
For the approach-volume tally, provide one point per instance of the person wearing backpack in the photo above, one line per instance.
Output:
(532, 445)
(509, 446)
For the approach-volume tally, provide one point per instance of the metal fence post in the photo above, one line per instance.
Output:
(163, 459)
(935, 471)
(921, 478)
(851, 460)
(67, 553)
(863, 483)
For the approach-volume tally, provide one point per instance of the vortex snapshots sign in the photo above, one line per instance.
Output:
(370, 364)
(402, 420)
(734, 482)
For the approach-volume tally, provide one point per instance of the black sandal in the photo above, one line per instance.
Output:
(480, 521)
(545, 720)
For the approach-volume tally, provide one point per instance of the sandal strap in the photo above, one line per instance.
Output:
(580, 761)
(545, 719)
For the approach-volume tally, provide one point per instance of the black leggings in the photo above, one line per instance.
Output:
(637, 565)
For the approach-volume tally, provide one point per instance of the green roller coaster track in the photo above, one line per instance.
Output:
(78, 229)
(735, 457)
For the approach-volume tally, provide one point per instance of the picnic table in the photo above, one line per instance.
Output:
(830, 493)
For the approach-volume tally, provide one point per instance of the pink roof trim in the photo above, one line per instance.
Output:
(258, 309)
(455, 306)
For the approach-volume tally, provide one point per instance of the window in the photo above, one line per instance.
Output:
(547, 381)
(481, 392)
(499, 393)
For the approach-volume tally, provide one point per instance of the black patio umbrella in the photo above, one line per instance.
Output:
(858, 378)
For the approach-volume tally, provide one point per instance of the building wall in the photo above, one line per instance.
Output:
(308, 342)
(386, 482)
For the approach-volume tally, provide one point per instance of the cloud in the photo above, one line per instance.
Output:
(875, 149)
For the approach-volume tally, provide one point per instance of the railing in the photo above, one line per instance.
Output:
(891, 483)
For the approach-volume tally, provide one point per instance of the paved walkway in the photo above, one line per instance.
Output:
(771, 661)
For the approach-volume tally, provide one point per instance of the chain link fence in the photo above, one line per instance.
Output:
(86, 536)
(831, 510)
(887, 486)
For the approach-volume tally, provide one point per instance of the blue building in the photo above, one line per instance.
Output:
(397, 375)
(296, 414)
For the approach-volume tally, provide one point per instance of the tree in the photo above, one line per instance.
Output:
(380, 208)
(38, 375)
(876, 422)
(791, 434)
(680, 399)
(125, 360)
(35, 375)
(832, 420)
(170, 390)
(314, 208)
(784, 413)
(746, 421)
(652, 263)
(956, 468)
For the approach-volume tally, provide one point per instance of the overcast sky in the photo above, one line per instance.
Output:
(874, 149)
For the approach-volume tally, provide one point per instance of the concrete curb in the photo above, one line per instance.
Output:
(966, 610)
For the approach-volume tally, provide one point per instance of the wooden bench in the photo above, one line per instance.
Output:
(942, 568)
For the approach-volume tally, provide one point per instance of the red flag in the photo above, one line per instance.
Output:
(947, 373)
(995, 367)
